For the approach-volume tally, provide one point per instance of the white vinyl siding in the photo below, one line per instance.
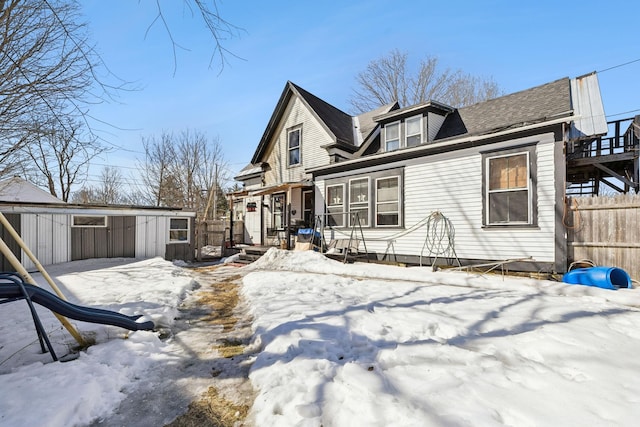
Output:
(451, 183)
(312, 137)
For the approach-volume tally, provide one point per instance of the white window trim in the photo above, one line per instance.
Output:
(399, 123)
(406, 129)
(528, 188)
(342, 203)
(368, 202)
(188, 229)
(73, 221)
(299, 148)
(397, 178)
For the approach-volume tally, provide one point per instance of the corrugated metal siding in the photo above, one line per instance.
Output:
(452, 183)
(312, 155)
(152, 235)
(48, 237)
(44, 246)
(61, 239)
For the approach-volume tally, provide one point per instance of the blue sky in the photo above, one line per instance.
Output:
(322, 45)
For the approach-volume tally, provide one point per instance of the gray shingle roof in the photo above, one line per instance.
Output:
(529, 106)
(338, 122)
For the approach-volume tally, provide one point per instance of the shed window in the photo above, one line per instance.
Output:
(508, 200)
(293, 145)
(178, 230)
(387, 202)
(335, 205)
(89, 221)
(359, 201)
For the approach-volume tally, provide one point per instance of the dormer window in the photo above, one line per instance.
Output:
(392, 136)
(404, 133)
(413, 127)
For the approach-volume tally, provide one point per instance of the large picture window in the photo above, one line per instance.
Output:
(388, 202)
(508, 189)
(359, 201)
(178, 230)
(335, 205)
(293, 147)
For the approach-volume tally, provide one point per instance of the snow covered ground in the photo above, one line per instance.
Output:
(346, 345)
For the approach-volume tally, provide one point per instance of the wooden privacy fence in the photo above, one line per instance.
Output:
(605, 230)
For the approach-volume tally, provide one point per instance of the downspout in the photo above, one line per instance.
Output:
(561, 207)
(262, 236)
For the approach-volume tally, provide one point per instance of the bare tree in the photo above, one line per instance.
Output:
(182, 170)
(109, 190)
(390, 78)
(59, 154)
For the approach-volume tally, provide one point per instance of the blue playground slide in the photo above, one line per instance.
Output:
(73, 311)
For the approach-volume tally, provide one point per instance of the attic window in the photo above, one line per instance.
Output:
(392, 136)
(293, 147)
(414, 130)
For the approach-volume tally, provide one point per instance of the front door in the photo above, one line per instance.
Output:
(307, 208)
(278, 211)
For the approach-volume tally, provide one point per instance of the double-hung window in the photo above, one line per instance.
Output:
(359, 201)
(335, 205)
(293, 147)
(413, 129)
(508, 189)
(387, 202)
(392, 136)
(372, 200)
(178, 230)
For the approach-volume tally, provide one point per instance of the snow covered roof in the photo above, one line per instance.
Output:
(17, 189)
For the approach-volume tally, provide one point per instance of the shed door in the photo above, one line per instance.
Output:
(115, 240)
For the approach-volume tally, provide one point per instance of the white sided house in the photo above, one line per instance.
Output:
(58, 232)
(278, 193)
(495, 171)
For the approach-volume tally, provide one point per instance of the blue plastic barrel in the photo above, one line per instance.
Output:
(601, 277)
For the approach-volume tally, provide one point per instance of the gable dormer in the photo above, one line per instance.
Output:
(411, 126)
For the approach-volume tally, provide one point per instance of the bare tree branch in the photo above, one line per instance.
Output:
(389, 79)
